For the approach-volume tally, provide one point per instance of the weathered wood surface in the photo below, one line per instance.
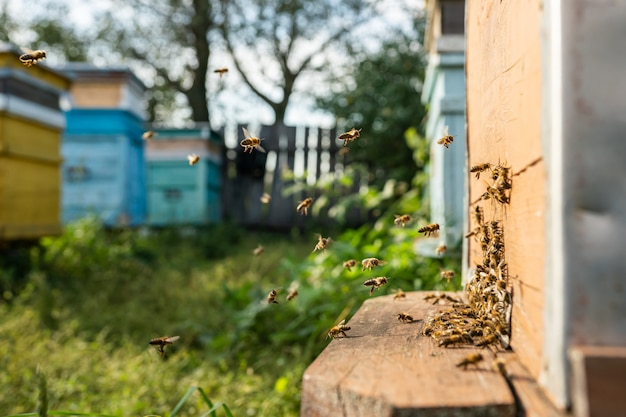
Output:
(387, 368)
(598, 380)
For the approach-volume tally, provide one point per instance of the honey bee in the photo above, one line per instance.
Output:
(477, 169)
(162, 342)
(401, 219)
(490, 339)
(375, 283)
(221, 71)
(148, 135)
(455, 339)
(499, 365)
(193, 158)
(429, 229)
(448, 274)
(405, 318)
(442, 248)
(399, 294)
(304, 205)
(32, 57)
(446, 139)
(250, 142)
(271, 297)
(321, 244)
(265, 198)
(258, 250)
(479, 215)
(350, 135)
(292, 294)
(369, 263)
(339, 329)
(471, 359)
(349, 264)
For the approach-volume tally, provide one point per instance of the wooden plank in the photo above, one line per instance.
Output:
(387, 368)
(598, 380)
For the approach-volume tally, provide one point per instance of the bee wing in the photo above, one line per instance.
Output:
(342, 322)
(260, 148)
(246, 133)
(172, 339)
(445, 130)
(26, 50)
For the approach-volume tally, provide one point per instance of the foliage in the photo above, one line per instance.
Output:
(382, 96)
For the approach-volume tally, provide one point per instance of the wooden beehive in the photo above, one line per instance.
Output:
(104, 166)
(542, 99)
(177, 192)
(31, 122)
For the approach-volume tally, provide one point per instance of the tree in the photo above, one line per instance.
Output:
(382, 96)
(274, 42)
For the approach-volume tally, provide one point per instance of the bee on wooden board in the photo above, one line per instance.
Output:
(478, 169)
(402, 219)
(441, 249)
(429, 229)
(405, 318)
(350, 135)
(249, 143)
(479, 215)
(149, 134)
(455, 339)
(162, 342)
(339, 329)
(193, 158)
(221, 71)
(446, 139)
(265, 198)
(271, 297)
(304, 205)
(321, 244)
(349, 264)
(375, 283)
(399, 294)
(258, 250)
(471, 359)
(447, 274)
(370, 263)
(31, 57)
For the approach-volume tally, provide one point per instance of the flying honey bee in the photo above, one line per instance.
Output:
(250, 142)
(321, 244)
(401, 219)
(221, 71)
(339, 329)
(258, 250)
(471, 359)
(399, 294)
(349, 264)
(477, 169)
(162, 342)
(479, 215)
(405, 318)
(292, 294)
(429, 229)
(265, 198)
(304, 205)
(271, 297)
(369, 263)
(350, 135)
(31, 57)
(193, 158)
(448, 274)
(147, 135)
(375, 283)
(442, 248)
(499, 365)
(446, 139)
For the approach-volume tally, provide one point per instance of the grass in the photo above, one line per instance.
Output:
(82, 313)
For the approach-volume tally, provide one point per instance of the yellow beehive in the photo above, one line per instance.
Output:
(31, 122)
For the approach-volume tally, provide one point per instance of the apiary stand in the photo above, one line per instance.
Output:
(388, 368)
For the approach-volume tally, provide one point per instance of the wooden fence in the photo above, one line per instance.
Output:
(294, 155)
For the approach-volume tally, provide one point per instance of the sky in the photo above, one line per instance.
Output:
(231, 101)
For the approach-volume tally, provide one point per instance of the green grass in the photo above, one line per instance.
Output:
(90, 301)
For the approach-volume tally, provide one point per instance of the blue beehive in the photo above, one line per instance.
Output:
(179, 193)
(104, 166)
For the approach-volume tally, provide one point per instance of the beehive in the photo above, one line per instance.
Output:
(104, 166)
(31, 122)
(179, 193)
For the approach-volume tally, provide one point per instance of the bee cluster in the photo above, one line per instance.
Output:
(485, 319)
